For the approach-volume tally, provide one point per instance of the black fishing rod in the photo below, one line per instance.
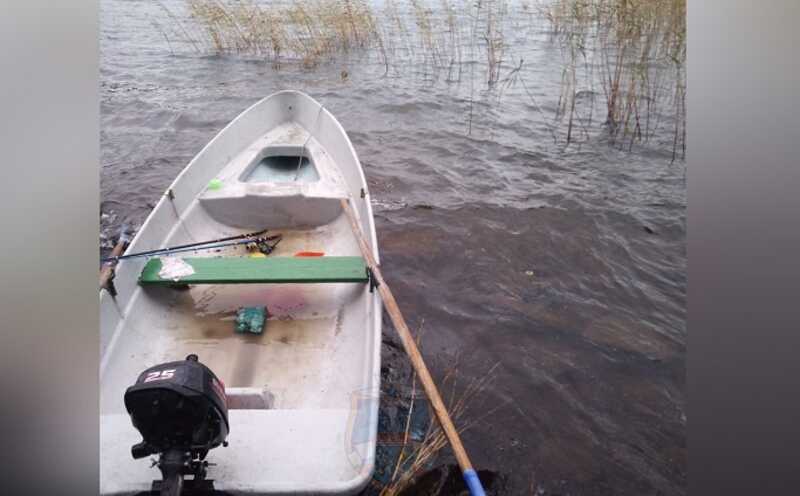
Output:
(261, 244)
(196, 245)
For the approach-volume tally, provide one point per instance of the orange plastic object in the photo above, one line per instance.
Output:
(309, 254)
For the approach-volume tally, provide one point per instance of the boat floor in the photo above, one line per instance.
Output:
(309, 366)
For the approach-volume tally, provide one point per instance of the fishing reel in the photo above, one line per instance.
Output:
(180, 409)
(265, 244)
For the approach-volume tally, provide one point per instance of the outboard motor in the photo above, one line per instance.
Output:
(181, 412)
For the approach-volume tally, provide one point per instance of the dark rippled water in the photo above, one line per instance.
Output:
(564, 264)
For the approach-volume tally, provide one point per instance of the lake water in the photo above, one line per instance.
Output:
(562, 268)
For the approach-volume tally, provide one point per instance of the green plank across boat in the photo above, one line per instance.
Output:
(248, 270)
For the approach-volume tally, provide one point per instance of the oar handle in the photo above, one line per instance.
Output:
(410, 346)
(107, 270)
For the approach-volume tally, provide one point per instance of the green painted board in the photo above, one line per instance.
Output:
(255, 270)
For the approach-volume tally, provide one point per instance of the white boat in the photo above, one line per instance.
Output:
(302, 396)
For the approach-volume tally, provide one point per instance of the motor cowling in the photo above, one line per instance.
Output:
(178, 406)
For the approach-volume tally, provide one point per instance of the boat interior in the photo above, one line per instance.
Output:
(308, 382)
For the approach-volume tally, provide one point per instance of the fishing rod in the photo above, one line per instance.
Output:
(161, 251)
(262, 244)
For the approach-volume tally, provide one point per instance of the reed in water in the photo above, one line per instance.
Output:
(623, 60)
(312, 30)
(417, 457)
(635, 52)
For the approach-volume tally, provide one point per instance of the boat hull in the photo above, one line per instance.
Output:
(304, 394)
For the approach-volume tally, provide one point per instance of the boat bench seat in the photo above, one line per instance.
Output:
(252, 270)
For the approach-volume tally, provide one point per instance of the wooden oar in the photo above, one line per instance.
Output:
(470, 476)
(107, 271)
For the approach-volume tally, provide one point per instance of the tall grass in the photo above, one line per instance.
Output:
(427, 33)
(311, 31)
(623, 60)
(415, 459)
(638, 50)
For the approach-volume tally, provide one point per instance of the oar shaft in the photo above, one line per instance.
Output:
(107, 271)
(439, 408)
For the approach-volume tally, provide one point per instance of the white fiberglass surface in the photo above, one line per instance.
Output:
(317, 360)
(311, 353)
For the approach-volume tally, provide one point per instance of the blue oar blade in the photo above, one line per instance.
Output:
(473, 483)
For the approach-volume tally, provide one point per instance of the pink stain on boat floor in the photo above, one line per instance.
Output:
(282, 301)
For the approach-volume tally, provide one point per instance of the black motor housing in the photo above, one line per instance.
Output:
(179, 406)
